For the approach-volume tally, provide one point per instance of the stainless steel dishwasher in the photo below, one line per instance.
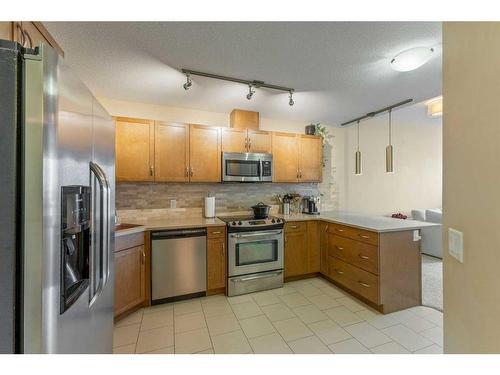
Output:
(178, 264)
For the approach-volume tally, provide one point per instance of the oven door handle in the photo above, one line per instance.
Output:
(255, 277)
(258, 234)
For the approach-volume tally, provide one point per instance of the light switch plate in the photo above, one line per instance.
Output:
(173, 203)
(456, 244)
(416, 235)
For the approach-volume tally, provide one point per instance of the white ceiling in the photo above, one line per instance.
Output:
(339, 70)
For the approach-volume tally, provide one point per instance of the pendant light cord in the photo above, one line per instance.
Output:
(390, 127)
(358, 135)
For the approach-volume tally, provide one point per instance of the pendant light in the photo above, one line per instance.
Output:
(358, 156)
(389, 157)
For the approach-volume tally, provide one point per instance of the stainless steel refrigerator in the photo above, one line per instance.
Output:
(57, 173)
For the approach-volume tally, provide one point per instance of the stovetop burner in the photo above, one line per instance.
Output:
(249, 223)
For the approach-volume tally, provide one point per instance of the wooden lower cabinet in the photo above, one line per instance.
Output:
(216, 259)
(302, 248)
(381, 268)
(130, 273)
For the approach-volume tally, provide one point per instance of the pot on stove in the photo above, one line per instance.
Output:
(261, 210)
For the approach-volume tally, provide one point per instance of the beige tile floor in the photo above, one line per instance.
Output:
(306, 316)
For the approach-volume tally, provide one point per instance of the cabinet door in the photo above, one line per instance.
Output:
(6, 30)
(234, 140)
(285, 157)
(296, 257)
(259, 141)
(171, 152)
(204, 153)
(310, 158)
(323, 245)
(216, 263)
(134, 149)
(313, 246)
(130, 280)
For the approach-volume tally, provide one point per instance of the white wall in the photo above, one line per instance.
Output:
(417, 178)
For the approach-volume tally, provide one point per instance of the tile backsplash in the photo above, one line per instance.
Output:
(228, 197)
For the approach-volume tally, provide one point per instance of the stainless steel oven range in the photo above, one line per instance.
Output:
(255, 254)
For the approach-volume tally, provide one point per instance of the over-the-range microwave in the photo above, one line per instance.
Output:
(247, 167)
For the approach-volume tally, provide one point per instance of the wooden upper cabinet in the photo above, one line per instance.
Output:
(285, 157)
(310, 158)
(134, 149)
(241, 119)
(204, 153)
(259, 141)
(238, 140)
(234, 140)
(6, 30)
(171, 152)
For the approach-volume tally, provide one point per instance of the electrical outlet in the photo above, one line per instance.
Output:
(173, 203)
(416, 235)
(456, 244)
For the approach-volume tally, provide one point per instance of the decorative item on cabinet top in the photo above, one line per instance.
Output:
(158, 151)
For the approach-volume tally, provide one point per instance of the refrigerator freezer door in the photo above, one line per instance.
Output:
(68, 136)
(10, 102)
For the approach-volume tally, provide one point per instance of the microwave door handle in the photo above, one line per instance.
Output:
(260, 170)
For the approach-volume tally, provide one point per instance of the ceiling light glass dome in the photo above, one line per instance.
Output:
(411, 59)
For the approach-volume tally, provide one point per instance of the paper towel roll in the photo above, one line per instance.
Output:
(209, 207)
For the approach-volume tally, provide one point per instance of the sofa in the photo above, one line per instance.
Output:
(432, 238)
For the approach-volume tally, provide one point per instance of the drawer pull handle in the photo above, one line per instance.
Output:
(293, 226)
(216, 232)
(363, 256)
(364, 284)
(339, 230)
(339, 247)
(326, 229)
(364, 236)
(339, 272)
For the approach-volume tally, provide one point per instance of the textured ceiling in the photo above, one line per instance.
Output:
(339, 70)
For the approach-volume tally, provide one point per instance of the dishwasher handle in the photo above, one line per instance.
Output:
(178, 233)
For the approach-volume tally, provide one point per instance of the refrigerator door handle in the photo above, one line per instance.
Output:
(103, 234)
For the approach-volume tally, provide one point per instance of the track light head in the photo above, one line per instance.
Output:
(290, 97)
(188, 83)
(251, 91)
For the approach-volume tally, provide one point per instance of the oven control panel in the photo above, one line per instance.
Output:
(255, 223)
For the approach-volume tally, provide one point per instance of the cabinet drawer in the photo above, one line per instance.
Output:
(357, 253)
(129, 240)
(296, 226)
(359, 281)
(216, 232)
(354, 233)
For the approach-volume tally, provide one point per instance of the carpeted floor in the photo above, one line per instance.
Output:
(432, 282)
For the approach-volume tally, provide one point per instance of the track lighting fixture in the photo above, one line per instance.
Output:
(188, 83)
(251, 91)
(252, 85)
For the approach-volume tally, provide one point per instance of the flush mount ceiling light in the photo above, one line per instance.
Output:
(411, 59)
(251, 91)
(435, 107)
(251, 84)
(188, 83)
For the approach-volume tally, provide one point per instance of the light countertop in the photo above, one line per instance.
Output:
(170, 223)
(369, 222)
